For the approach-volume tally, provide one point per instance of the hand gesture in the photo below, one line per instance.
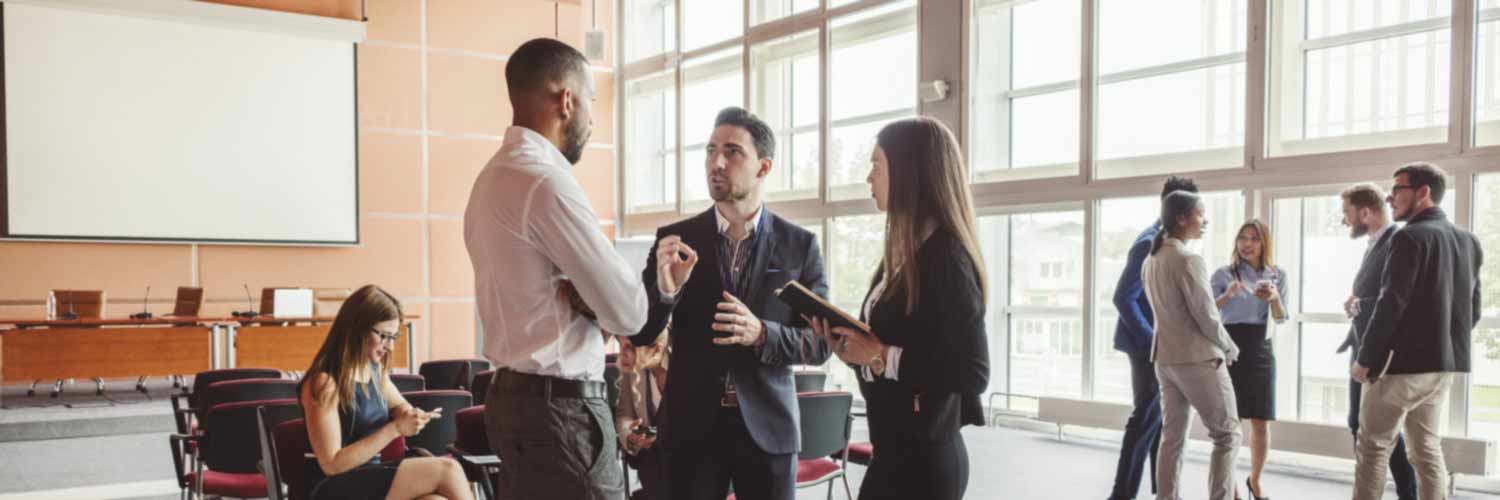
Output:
(1235, 287)
(1359, 372)
(674, 264)
(1351, 307)
(410, 421)
(853, 346)
(735, 318)
(1267, 293)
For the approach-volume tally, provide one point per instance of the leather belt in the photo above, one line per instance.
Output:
(543, 386)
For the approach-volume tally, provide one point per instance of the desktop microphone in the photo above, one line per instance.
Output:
(145, 306)
(249, 311)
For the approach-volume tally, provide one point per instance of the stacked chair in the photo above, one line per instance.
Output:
(451, 373)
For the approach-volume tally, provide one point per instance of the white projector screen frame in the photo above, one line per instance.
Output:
(178, 131)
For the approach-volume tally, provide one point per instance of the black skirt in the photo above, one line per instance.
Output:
(369, 481)
(1254, 374)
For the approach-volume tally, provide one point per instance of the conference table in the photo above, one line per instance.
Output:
(36, 349)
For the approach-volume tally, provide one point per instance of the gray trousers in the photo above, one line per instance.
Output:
(553, 448)
(1413, 402)
(1203, 386)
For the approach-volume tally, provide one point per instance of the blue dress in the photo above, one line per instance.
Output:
(371, 480)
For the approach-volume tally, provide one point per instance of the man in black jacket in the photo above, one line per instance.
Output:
(1365, 214)
(731, 403)
(1418, 335)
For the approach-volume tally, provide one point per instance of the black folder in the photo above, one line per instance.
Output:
(805, 302)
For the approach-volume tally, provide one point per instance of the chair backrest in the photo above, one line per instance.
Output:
(440, 433)
(480, 385)
(449, 374)
(825, 421)
(230, 439)
(810, 381)
(612, 384)
(189, 301)
(408, 382)
(290, 446)
(247, 389)
(472, 438)
(206, 378)
(84, 303)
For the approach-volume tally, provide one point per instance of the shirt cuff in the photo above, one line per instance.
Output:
(892, 362)
(665, 298)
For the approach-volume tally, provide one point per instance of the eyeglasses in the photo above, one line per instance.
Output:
(386, 336)
(1397, 188)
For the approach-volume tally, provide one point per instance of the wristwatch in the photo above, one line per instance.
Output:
(877, 364)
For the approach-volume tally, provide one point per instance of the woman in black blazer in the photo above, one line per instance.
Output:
(926, 360)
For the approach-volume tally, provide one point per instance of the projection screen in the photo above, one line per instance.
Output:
(122, 127)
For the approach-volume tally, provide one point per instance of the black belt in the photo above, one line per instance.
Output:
(544, 386)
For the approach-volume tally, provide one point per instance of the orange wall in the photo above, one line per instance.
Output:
(422, 141)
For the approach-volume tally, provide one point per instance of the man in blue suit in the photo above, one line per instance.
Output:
(1133, 334)
(729, 412)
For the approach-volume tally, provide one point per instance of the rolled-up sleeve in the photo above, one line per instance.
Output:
(562, 224)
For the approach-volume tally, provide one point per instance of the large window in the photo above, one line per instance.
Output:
(706, 22)
(650, 28)
(854, 254)
(1121, 221)
(1024, 70)
(1487, 74)
(1484, 413)
(651, 132)
(785, 92)
(710, 84)
(1170, 99)
(1035, 316)
(1357, 74)
(872, 82)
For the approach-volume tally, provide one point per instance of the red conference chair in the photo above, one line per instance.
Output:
(826, 425)
(408, 382)
(227, 454)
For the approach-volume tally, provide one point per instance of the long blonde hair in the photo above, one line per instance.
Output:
(343, 351)
(1266, 262)
(929, 189)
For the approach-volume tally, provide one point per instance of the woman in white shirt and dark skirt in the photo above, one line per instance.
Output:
(1247, 291)
(926, 361)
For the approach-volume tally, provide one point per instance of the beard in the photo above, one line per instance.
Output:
(726, 191)
(575, 137)
(1402, 214)
(1358, 229)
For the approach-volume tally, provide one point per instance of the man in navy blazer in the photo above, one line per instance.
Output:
(1133, 335)
(730, 407)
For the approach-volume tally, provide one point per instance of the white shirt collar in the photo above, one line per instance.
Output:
(1174, 242)
(750, 225)
(533, 138)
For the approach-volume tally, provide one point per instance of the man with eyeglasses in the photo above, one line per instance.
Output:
(1417, 337)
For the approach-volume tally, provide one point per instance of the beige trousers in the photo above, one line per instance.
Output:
(1413, 403)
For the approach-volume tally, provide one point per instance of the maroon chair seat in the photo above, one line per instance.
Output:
(231, 484)
(814, 471)
(859, 453)
(471, 439)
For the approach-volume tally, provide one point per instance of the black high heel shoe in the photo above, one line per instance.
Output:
(1251, 490)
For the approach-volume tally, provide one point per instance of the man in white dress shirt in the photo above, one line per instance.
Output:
(529, 229)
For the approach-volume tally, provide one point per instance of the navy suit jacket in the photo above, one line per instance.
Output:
(763, 376)
(1134, 331)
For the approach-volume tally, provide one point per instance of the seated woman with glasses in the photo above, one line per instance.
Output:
(353, 411)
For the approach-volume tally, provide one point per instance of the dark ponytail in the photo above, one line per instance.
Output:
(1173, 205)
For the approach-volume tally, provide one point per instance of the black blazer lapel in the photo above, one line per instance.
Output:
(764, 249)
(704, 239)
